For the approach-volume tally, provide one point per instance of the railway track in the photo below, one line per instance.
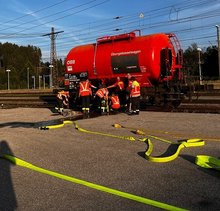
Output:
(27, 98)
(198, 102)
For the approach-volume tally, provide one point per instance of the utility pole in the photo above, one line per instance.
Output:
(53, 57)
(28, 83)
(200, 70)
(8, 71)
(217, 27)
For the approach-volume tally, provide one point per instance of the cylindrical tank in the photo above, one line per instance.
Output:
(149, 58)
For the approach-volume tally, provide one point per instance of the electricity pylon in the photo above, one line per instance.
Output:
(53, 58)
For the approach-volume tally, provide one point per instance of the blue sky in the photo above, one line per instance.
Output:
(23, 22)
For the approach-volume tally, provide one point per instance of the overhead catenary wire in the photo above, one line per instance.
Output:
(50, 15)
(51, 21)
(50, 6)
(172, 23)
(96, 26)
(34, 12)
(142, 28)
(126, 23)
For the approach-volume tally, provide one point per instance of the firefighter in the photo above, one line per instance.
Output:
(120, 90)
(114, 102)
(135, 97)
(128, 90)
(129, 80)
(119, 84)
(102, 95)
(62, 100)
(85, 93)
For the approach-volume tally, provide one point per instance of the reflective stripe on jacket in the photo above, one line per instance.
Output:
(120, 85)
(84, 88)
(135, 89)
(62, 94)
(115, 102)
(103, 92)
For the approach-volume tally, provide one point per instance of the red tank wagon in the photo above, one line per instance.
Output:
(153, 59)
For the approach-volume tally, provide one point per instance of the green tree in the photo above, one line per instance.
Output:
(208, 58)
(191, 60)
(18, 59)
(210, 66)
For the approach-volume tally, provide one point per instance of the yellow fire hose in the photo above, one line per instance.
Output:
(130, 138)
(201, 160)
(181, 145)
(126, 195)
(56, 126)
(208, 162)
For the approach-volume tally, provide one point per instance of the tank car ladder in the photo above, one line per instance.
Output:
(178, 49)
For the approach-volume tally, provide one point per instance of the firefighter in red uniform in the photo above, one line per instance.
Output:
(135, 97)
(128, 91)
(118, 84)
(85, 93)
(120, 90)
(102, 95)
(62, 100)
(115, 102)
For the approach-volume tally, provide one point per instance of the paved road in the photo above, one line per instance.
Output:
(107, 161)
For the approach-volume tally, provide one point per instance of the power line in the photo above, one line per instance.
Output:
(53, 57)
(32, 13)
(51, 15)
(150, 22)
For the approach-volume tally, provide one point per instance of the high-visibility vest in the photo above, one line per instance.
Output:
(103, 92)
(135, 89)
(115, 102)
(84, 88)
(120, 85)
(62, 94)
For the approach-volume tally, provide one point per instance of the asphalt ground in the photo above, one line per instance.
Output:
(107, 161)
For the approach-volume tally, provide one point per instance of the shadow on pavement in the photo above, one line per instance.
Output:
(170, 151)
(7, 194)
(37, 124)
(211, 172)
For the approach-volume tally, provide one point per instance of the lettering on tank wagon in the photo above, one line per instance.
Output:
(69, 63)
(131, 67)
(73, 61)
(125, 53)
